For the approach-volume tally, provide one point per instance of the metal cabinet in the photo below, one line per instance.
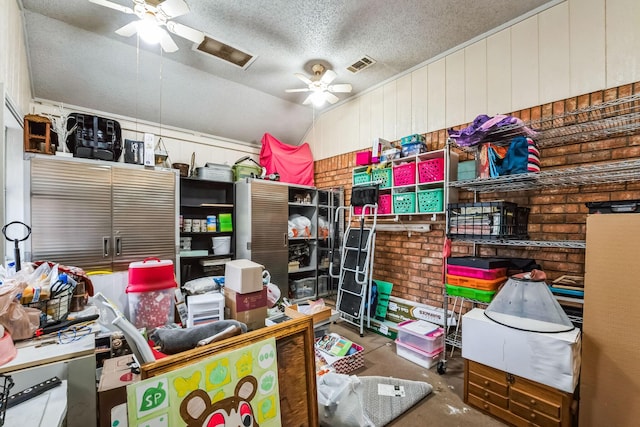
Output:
(101, 216)
(261, 212)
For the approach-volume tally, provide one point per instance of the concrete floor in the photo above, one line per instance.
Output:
(444, 407)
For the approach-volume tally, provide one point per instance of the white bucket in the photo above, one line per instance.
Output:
(221, 245)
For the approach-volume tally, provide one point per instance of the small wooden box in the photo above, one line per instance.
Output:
(293, 312)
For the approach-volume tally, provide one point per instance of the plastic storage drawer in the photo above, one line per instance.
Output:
(476, 294)
(478, 273)
(417, 356)
(421, 335)
(471, 282)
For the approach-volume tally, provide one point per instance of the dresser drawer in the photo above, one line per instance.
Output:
(489, 396)
(488, 384)
(534, 417)
(552, 409)
(486, 371)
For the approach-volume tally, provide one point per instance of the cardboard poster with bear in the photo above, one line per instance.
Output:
(238, 387)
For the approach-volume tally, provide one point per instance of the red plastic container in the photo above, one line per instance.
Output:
(431, 170)
(150, 293)
(404, 174)
(478, 273)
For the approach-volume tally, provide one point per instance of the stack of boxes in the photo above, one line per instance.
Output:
(475, 278)
(245, 296)
(420, 342)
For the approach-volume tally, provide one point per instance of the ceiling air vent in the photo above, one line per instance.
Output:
(225, 52)
(361, 64)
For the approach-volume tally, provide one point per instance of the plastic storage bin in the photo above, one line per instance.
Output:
(431, 200)
(361, 177)
(421, 335)
(384, 204)
(363, 158)
(383, 176)
(150, 293)
(476, 294)
(478, 273)
(404, 174)
(404, 203)
(417, 356)
(431, 170)
(471, 282)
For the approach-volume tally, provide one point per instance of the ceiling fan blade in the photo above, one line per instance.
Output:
(128, 30)
(305, 79)
(308, 100)
(341, 88)
(331, 98)
(167, 43)
(298, 90)
(173, 8)
(112, 5)
(185, 32)
(328, 76)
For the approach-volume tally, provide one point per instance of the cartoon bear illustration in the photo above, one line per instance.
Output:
(197, 410)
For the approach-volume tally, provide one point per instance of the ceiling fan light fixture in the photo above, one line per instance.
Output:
(318, 98)
(149, 31)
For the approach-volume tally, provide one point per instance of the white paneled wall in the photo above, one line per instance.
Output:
(499, 72)
(454, 89)
(475, 80)
(587, 39)
(524, 64)
(621, 18)
(572, 48)
(14, 70)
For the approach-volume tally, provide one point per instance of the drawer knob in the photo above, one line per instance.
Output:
(486, 394)
(485, 406)
(486, 382)
(533, 401)
(533, 416)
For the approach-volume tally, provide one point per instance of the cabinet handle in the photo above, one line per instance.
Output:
(286, 240)
(105, 246)
(118, 246)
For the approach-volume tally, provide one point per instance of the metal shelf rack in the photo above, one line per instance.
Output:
(570, 244)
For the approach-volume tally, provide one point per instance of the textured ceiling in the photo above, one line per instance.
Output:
(76, 58)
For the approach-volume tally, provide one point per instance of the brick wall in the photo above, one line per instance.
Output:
(414, 263)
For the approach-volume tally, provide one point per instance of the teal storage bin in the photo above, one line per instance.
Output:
(467, 170)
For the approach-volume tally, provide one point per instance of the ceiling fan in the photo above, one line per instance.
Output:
(320, 86)
(154, 15)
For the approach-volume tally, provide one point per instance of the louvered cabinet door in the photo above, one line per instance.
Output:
(144, 215)
(71, 213)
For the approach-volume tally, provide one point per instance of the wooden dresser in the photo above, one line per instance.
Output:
(515, 400)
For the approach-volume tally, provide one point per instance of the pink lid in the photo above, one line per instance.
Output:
(152, 274)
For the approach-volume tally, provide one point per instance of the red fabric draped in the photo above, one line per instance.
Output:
(294, 164)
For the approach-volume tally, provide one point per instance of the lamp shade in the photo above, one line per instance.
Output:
(528, 305)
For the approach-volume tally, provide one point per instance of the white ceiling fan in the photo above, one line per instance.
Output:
(153, 16)
(320, 86)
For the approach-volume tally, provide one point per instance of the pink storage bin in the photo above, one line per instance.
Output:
(384, 204)
(431, 170)
(404, 174)
(476, 273)
(363, 158)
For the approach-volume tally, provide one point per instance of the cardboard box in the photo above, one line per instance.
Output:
(254, 319)
(400, 310)
(243, 276)
(550, 359)
(112, 389)
(385, 328)
(243, 302)
(295, 311)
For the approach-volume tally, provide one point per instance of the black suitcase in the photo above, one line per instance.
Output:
(94, 137)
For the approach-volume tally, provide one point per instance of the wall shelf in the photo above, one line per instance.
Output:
(602, 173)
(570, 244)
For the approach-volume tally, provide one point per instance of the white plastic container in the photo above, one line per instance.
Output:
(419, 357)
(422, 335)
(221, 245)
(205, 308)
